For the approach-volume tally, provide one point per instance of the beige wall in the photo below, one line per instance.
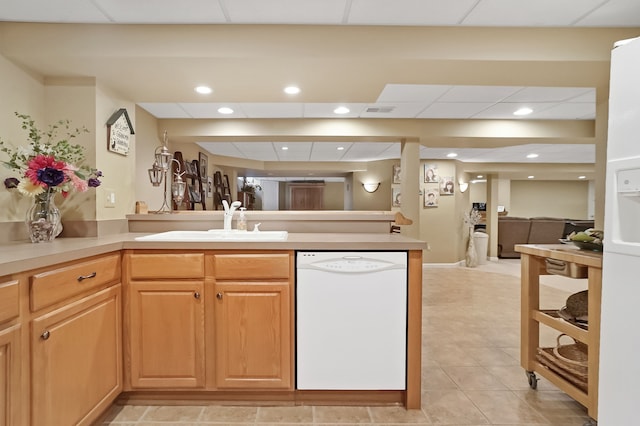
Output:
(568, 199)
(377, 171)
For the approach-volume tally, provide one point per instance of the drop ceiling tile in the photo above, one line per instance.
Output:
(51, 11)
(419, 93)
(478, 93)
(527, 13)
(164, 110)
(613, 13)
(408, 12)
(272, 109)
(163, 11)
(325, 110)
(297, 151)
(367, 151)
(453, 110)
(285, 11)
(568, 111)
(396, 110)
(210, 110)
(328, 151)
(226, 149)
(505, 110)
(589, 96)
(262, 151)
(548, 94)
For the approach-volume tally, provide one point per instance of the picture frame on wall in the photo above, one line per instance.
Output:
(431, 198)
(431, 173)
(209, 187)
(396, 173)
(395, 197)
(446, 185)
(203, 161)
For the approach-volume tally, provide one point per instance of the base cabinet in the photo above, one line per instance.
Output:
(167, 334)
(253, 339)
(76, 360)
(9, 376)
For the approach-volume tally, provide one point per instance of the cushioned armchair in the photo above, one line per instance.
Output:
(512, 231)
(546, 230)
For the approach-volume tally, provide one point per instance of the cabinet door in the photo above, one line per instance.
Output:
(77, 360)
(253, 335)
(9, 376)
(167, 334)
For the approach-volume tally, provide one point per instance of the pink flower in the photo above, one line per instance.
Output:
(41, 163)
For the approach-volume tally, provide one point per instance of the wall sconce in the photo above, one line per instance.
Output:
(158, 174)
(463, 186)
(371, 187)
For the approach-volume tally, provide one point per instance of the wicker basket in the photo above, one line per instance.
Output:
(568, 361)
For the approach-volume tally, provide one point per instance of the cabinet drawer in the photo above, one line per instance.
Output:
(263, 266)
(59, 284)
(9, 296)
(170, 265)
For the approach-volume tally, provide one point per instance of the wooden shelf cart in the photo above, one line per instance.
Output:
(532, 266)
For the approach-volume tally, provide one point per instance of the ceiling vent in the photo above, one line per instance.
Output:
(381, 110)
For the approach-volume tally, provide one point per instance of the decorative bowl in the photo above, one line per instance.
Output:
(583, 245)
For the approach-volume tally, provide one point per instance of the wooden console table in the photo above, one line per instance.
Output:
(532, 266)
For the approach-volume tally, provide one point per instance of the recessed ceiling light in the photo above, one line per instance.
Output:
(582, 177)
(532, 155)
(292, 90)
(480, 176)
(530, 177)
(225, 110)
(452, 155)
(203, 90)
(523, 111)
(341, 110)
(284, 148)
(340, 148)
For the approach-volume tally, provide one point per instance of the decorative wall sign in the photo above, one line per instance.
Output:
(119, 131)
(395, 197)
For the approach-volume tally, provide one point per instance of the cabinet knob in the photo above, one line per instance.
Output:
(45, 335)
(196, 295)
(219, 296)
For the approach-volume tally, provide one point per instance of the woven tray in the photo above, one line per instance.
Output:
(546, 357)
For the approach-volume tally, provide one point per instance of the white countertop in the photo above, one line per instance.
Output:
(23, 255)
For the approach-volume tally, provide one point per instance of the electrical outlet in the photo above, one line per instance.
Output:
(109, 198)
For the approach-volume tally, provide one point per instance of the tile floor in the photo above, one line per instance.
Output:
(471, 373)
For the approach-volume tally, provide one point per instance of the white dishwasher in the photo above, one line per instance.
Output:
(351, 320)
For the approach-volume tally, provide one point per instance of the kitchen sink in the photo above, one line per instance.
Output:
(216, 235)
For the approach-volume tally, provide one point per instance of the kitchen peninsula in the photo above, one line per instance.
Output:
(80, 319)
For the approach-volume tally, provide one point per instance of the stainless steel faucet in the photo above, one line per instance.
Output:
(228, 212)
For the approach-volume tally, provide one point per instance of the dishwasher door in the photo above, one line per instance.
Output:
(351, 320)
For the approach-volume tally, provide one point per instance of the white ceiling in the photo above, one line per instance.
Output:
(492, 13)
(415, 101)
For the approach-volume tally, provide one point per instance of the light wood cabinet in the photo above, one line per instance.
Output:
(253, 321)
(76, 358)
(167, 334)
(9, 375)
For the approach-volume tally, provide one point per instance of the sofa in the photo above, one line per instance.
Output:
(535, 230)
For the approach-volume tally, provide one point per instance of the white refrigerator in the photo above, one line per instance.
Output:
(618, 394)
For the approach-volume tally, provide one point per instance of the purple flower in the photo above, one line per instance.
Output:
(98, 173)
(51, 176)
(93, 182)
(11, 182)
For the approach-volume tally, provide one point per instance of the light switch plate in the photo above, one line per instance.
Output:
(109, 198)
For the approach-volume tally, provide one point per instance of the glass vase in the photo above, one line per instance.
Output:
(43, 219)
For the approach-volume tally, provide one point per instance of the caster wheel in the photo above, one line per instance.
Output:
(533, 381)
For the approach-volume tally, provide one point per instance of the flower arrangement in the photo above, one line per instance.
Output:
(472, 218)
(49, 166)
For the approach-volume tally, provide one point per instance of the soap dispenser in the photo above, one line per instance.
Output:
(242, 220)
